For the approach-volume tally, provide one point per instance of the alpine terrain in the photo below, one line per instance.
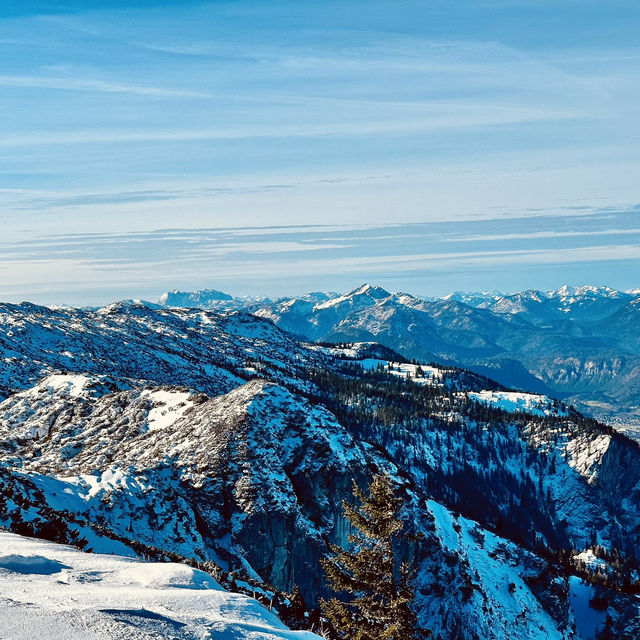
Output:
(218, 446)
(579, 344)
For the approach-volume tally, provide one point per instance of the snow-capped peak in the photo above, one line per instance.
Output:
(200, 298)
(586, 290)
(366, 292)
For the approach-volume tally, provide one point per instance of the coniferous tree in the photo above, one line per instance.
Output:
(378, 608)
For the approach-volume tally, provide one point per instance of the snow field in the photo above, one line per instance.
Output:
(50, 591)
(517, 402)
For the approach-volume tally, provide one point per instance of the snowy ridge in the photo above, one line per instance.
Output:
(364, 295)
(51, 591)
(130, 435)
(203, 350)
(33, 413)
(577, 343)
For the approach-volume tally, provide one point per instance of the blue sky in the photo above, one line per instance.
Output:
(263, 147)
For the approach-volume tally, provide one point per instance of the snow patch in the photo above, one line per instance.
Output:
(588, 620)
(592, 561)
(168, 407)
(516, 402)
(418, 373)
(109, 480)
(72, 385)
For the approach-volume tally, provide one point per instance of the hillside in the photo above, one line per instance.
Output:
(579, 344)
(218, 438)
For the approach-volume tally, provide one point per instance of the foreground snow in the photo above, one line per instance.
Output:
(50, 591)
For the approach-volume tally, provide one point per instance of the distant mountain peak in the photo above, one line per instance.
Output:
(177, 298)
(567, 290)
(360, 295)
(459, 295)
(370, 289)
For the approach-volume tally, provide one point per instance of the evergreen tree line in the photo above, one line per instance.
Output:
(472, 457)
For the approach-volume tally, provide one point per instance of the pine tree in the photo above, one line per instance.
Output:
(378, 608)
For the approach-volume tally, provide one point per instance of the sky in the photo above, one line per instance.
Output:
(273, 148)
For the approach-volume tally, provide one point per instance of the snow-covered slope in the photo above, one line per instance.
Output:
(154, 464)
(505, 605)
(241, 450)
(208, 351)
(517, 401)
(50, 591)
(253, 479)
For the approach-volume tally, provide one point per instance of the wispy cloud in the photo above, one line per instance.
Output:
(494, 128)
(546, 235)
(90, 84)
(423, 118)
(235, 256)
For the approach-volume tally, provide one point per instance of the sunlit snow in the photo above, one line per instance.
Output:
(513, 401)
(50, 591)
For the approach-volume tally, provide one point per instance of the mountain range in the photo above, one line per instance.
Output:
(579, 344)
(225, 441)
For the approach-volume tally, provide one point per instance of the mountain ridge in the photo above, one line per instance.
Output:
(578, 343)
(220, 438)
